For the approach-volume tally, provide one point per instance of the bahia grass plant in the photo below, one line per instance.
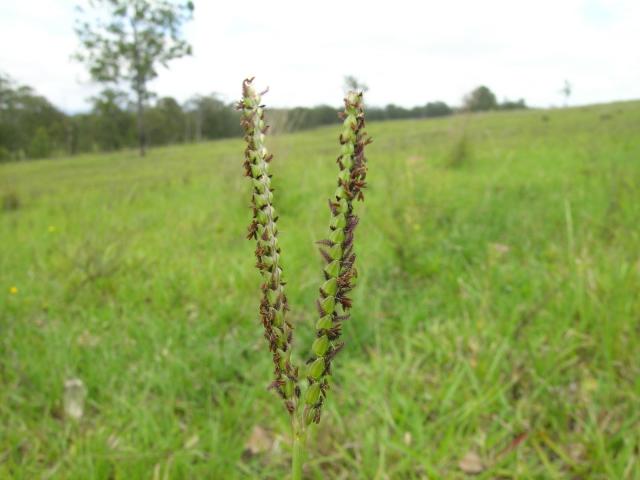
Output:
(304, 389)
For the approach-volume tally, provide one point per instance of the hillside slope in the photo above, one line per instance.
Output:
(495, 327)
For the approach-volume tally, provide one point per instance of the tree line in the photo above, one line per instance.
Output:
(32, 127)
(123, 44)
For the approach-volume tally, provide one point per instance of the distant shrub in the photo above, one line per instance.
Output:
(480, 99)
(483, 99)
(40, 145)
(301, 118)
(395, 112)
(437, 109)
(511, 105)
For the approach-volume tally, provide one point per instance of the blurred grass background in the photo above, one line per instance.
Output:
(495, 327)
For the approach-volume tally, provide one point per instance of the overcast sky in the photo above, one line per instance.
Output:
(408, 52)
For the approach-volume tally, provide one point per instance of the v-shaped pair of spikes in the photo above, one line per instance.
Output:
(339, 272)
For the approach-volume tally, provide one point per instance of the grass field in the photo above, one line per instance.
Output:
(495, 329)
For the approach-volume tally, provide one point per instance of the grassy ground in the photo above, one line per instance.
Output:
(495, 327)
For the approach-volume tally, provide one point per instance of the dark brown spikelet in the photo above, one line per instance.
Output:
(337, 254)
(263, 229)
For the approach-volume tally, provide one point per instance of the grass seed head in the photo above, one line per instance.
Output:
(337, 252)
(263, 228)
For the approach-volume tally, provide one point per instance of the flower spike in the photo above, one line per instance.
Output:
(264, 230)
(339, 272)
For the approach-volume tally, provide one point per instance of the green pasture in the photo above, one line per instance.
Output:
(495, 328)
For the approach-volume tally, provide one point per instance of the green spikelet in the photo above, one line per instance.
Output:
(263, 228)
(337, 251)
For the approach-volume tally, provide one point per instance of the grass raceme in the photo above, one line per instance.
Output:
(304, 399)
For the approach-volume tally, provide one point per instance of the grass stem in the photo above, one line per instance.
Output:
(299, 442)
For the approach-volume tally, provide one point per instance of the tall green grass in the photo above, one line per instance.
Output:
(495, 326)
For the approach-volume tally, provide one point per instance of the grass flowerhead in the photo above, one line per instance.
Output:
(339, 272)
(264, 230)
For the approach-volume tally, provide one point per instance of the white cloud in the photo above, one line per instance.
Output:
(408, 52)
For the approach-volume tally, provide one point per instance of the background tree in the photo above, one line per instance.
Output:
(480, 99)
(512, 105)
(112, 123)
(437, 109)
(125, 41)
(208, 117)
(29, 124)
(394, 112)
(165, 122)
(40, 144)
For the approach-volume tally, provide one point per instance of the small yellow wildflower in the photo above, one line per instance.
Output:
(13, 290)
(52, 229)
